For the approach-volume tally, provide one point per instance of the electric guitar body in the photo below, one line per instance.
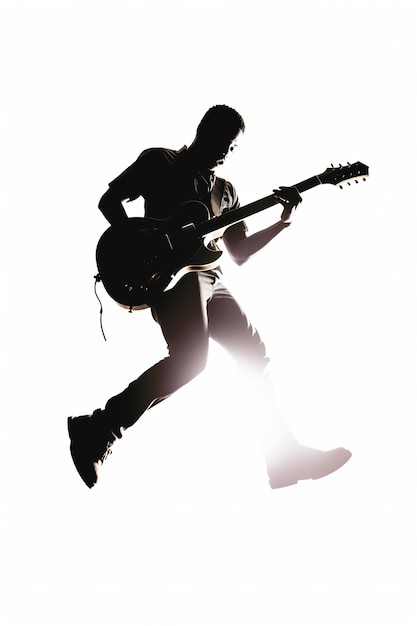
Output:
(144, 257)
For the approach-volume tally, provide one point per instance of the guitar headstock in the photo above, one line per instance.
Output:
(344, 173)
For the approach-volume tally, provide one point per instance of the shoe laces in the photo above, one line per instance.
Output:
(104, 447)
(108, 450)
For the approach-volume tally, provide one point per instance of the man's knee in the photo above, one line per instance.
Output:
(193, 364)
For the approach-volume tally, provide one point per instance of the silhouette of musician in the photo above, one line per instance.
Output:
(199, 306)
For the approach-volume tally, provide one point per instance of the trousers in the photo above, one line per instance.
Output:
(198, 308)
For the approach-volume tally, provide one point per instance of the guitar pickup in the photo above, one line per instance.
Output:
(190, 226)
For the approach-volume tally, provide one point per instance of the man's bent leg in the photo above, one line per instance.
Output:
(182, 315)
(287, 461)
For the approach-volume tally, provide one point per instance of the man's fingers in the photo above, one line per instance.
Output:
(288, 195)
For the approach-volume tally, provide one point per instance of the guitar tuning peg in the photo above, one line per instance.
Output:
(340, 165)
(357, 182)
(349, 183)
(331, 165)
(341, 186)
(364, 180)
(348, 163)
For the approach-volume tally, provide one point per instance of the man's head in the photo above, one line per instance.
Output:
(223, 120)
(216, 135)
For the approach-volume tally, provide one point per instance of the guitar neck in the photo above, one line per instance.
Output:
(233, 217)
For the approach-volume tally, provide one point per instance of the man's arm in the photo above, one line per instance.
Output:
(112, 208)
(129, 185)
(241, 246)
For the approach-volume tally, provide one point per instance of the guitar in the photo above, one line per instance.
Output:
(140, 260)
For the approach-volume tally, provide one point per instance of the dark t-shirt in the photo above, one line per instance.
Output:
(166, 178)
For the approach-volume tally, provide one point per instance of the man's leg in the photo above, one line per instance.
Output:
(230, 327)
(182, 316)
(286, 460)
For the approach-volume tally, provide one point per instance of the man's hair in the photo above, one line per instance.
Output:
(221, 118)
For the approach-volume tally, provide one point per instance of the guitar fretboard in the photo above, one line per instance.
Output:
(233, 217)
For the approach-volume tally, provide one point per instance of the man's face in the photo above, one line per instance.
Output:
(215, 149)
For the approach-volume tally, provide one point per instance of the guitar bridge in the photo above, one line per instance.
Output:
(169, 241)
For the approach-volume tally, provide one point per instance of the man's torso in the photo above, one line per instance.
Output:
(166, 179)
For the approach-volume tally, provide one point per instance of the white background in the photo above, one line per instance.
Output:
(182, 527)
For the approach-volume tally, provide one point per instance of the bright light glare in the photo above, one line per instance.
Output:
(182, 527)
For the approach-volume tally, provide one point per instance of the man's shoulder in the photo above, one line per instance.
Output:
(160, 155)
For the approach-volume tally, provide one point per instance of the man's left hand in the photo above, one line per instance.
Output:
(289, 198)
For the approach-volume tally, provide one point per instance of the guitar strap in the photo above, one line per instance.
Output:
(217, 195)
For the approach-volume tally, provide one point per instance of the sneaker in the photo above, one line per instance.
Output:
(91, 441)
(303, 463)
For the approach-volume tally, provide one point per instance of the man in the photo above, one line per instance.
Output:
(199, 306)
